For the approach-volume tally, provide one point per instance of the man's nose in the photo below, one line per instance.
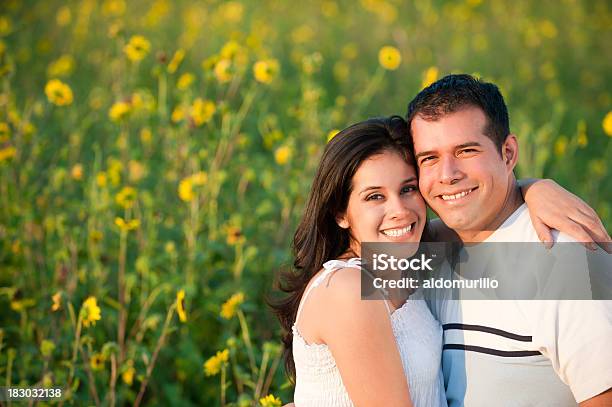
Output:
(450, 172)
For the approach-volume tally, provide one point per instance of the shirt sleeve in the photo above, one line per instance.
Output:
(577, 337)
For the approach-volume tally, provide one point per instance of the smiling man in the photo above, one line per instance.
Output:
(518, 353)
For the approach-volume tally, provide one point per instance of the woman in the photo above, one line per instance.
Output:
(341, 350)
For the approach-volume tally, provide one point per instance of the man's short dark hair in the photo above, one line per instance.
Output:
(455, 92)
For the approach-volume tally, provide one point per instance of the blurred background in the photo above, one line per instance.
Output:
(155, 157)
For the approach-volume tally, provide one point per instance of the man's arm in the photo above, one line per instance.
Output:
(601, 400)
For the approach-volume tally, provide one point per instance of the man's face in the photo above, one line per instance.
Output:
(462, 175)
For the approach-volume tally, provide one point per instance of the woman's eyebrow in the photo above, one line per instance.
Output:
(406, 181)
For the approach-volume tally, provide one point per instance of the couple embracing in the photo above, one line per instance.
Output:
(455, 153)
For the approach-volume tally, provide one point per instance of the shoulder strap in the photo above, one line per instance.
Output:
(315, 283)
(330, 267)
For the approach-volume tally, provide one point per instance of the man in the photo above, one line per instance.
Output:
(518, 353)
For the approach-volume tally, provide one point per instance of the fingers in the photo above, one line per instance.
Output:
(590, 222)
(543, 231)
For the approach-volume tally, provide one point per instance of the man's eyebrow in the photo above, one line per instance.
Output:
(457, 147)
(468, 144)
(430, 152)
(406, 181)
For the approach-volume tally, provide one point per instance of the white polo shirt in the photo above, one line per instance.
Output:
(525, 353)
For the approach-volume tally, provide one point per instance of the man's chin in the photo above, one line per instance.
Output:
(455, 222)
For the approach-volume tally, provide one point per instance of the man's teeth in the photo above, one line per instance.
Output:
(397, 232)
(456, 196)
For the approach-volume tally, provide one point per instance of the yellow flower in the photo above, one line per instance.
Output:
(282, 155)
(176, 60)
(114, 170)
(185, 188)
(202, 111)
(199, 178)
(548, 29)
(128, 374)
(560, 146)
(430, 76)
(118, 111)
(389, 57)
(137, 48)
(21, 304)
(57, 301)
(270, 401)
(77, 172)
(266, 70)
(97, 361)
(58, 92)
(231, 11)
(210, 62)
(332, 134)
(607, 124)
(5, 26)
(126, 197)
(146, 135)
(136, 170)
(63, 16)
(234, 235)
(185, 81)
(213, 365)
(90, 311)
(180, 305)
(47, 347)
(302, 34)
(7, 152)
(126, 226)
(113, 7)
(223, 71)
(5, 132)
(178, 114)
(62, 66)
(229, 307)
(95, 236)
(101, 179)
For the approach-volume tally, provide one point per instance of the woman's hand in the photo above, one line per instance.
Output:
(553, 207)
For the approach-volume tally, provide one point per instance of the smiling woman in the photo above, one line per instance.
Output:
(365, 190)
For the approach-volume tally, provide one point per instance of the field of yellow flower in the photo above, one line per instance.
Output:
(155, 157)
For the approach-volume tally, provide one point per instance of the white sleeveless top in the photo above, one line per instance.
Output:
(419, 340)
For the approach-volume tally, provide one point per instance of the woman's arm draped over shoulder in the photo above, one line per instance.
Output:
(553, 207)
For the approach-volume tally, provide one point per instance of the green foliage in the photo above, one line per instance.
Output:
(155, 156)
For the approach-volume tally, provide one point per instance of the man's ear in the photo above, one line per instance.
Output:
(342, 221)
(510, 151)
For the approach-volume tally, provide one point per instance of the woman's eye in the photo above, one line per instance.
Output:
(408, 188)
(374, 197)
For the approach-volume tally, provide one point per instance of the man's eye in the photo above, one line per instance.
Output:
(425, 159)
(468, 150)
(374, 197)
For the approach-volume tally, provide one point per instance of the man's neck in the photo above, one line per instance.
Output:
(513, 200)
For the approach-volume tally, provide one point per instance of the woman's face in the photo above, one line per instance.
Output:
(385, 204)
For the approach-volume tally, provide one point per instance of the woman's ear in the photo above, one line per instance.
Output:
(342, 221)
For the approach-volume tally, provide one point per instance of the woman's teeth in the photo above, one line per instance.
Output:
(397, 232)
(456, 196)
